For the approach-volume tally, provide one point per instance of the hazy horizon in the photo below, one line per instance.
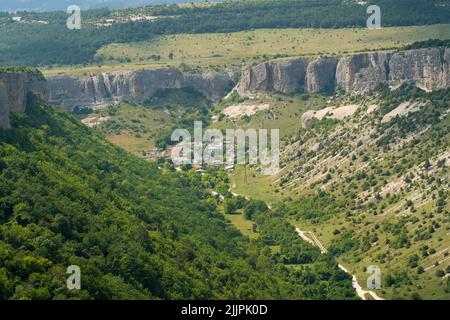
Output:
(55, 5)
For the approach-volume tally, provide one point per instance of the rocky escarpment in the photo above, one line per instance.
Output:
(280, 76)
(428, 69)
(134, 86)
(362, 72)
(17, 89)
(284, 76)
(320, 74)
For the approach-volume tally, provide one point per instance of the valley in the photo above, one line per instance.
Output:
(140, 243)
(88, 177)
(372, 197)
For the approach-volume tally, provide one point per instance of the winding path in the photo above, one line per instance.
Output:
(314, 241)
(439, 262)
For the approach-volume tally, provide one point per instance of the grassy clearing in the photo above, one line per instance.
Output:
(284, 113)
(255, 186)
(225, 50)
(242, 224)
(138, 126)
(130, 142)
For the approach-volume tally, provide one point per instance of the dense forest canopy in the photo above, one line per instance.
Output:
(68, 197)
(32, 43)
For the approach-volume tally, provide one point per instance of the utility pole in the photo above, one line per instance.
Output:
(389, 269)
(245, 173)
(389, 260)
(246, 153)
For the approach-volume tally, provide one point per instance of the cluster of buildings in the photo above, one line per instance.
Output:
(154, 154)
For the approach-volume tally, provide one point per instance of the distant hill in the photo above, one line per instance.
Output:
(53, 44)
(52, 5)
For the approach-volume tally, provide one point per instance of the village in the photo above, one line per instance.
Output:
(186, 157)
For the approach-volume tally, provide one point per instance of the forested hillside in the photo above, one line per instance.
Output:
(69, 197)
(43, 39)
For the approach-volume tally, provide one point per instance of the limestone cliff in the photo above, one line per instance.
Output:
(362, 72)
(428, 69)
(425, 68)
(284, 76)
(320, 74)
(135, 86)
(16, 91)
(447, 66)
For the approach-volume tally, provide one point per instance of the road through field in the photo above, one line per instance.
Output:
(359, 290)
(313, 240)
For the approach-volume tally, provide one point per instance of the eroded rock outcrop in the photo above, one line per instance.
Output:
(16, 91)
(289, 76)
(135, 86)
(362, 72)
(424, 68)
(320, 74)
(258, 78)
(428, 69)
(358, 73)
(447, 66)
(284, 76)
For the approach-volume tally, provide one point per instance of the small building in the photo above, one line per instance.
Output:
(152, 154)
(229, 169)
(217, 195)
(217, 162)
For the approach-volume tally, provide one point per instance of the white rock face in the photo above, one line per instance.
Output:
(320, 74)
(428, 69)
(284, 76)
(362, 72)
(238, 110)
(135, 86)
(425, 68)
(403, 109)
(447, 67)
(338, 113)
